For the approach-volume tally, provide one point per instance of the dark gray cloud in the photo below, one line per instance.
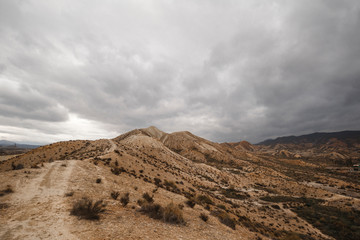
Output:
(225, 70)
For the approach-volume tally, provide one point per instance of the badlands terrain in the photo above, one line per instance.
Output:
(148, 184)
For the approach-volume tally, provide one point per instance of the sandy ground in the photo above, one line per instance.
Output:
(6, 157)
(37, 207)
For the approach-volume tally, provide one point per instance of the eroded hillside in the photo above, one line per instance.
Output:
(176, 186)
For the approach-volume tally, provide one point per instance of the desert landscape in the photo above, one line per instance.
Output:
(148, 184)
(180, 120)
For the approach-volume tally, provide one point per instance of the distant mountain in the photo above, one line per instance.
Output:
(5, 143)
(348, 138)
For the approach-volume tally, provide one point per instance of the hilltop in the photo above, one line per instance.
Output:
(204, 190)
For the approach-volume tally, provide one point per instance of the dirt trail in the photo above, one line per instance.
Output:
(113, 146)
(38, 209)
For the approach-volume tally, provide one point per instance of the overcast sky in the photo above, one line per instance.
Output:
(224, 70)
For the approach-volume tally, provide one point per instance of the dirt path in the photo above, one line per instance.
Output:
(38, 209)
(113, 146)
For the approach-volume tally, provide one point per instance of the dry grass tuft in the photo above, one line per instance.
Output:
(69, 194)
(225, 218)
(85, 209)
(7, 190)
(153, 210)
(148, 198)
(173, 214)
(170, 214)
(125, 199)
(204, 217)
(114, 195)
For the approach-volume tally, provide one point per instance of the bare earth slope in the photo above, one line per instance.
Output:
(37, 208)
(245, 192)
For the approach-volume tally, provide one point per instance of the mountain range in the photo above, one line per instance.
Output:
(350, 138)
(5, 143)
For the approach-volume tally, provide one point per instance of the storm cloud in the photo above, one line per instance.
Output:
(224, 70)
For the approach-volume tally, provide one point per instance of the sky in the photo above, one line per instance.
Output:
(225, 70)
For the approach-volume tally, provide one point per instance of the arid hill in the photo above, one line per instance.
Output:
(342, 139)
(150, 184)
(334, 149)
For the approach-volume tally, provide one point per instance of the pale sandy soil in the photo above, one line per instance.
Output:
(6, 157)
(37, 208)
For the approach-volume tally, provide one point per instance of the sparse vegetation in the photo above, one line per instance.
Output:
(216, 188)
(7, 190)
(340, 224)
(232, 193)
(86, 209)
(114, 195)
(69, 194)
(224, 218)
(125, 199)
(17, 166)
(170, 214)
(152, 210)
(4, 205)
(117, 170)
(157, 182)
(204, 217)
(277, 199)
(221, 206)
(204, 199)
(191, 203)
(148, 198)
(171, 186)
(173, 214)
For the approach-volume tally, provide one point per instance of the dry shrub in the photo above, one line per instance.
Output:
(69, 194)
(225, 218)
(191, 203)
(114, 194)
(148, 198)
(125, 199)
(152, 210)
(117, 170)
(7, 190)
(170, 214)
(173, 214)
(85, 209)
(17, 166)
(204, 217)
(4, 205)
(204, 199)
